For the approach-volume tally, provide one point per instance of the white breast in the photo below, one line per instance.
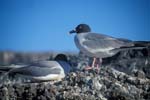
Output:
(79, 39)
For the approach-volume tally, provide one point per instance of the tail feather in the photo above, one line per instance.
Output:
(142, 43)
(4, 69)
(137, 45)
(10, 67)
(128, 48)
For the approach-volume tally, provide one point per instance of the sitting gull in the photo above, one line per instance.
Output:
(44, 70)
(99, 45)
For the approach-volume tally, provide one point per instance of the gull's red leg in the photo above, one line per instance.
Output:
(98, 65)
(93, 64)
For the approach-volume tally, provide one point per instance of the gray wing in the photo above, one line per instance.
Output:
(45, 63)
(98, 41)
(36, 70)
(124, 40)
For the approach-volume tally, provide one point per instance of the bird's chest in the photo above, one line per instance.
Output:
(79, 40)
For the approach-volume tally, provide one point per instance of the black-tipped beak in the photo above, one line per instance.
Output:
(72, 31)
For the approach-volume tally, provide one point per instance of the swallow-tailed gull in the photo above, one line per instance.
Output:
(44, 70)
(98, 45)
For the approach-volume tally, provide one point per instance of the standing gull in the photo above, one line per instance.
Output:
(99, 45)
(44, 70)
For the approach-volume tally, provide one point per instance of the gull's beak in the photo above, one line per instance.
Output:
(72, 31)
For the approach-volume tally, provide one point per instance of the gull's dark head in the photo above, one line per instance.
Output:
(81, 28)
(61, 57)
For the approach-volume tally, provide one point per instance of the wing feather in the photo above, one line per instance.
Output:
(101, 41)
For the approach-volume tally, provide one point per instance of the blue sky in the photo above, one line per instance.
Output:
(42, 25)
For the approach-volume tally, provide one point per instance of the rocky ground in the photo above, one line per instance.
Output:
(125, 76)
